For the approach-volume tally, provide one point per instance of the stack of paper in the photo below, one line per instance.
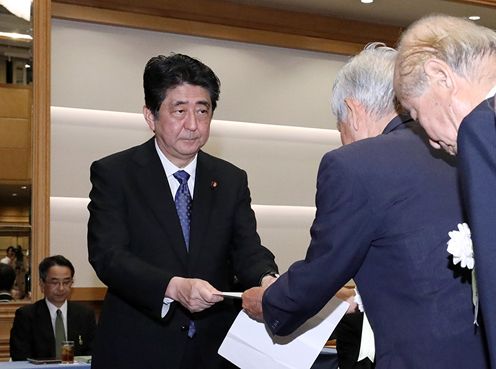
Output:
(249, 345)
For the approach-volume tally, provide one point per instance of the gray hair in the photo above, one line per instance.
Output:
(458, 42)
(367, 78)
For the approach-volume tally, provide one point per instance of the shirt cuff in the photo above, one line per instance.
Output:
(271, 273)
(166, 305)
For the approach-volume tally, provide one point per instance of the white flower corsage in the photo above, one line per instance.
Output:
(461, 247)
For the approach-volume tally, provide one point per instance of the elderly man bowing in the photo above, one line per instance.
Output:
(385, 205)
(446, 78)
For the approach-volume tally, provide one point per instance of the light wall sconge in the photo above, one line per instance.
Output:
(16, 36)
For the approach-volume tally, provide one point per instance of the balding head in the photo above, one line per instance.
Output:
(445, 67)
(460, 43)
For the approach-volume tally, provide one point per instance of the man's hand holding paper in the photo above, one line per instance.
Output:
(194, 294)
(252, 302)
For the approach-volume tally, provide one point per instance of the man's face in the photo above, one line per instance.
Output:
(435, 114)
(183, 125)
(57, 286)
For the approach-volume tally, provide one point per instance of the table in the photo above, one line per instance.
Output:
(327, 359)
(28, 365)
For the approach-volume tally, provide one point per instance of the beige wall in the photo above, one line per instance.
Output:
(273, 120)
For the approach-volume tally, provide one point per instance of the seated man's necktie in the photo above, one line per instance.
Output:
(59, 333)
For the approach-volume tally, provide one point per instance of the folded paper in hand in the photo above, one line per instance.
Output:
(249, 345)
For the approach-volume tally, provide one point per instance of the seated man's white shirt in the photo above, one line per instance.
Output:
(53, 314)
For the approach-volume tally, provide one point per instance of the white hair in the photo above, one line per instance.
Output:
(460, 43)
(368, 79)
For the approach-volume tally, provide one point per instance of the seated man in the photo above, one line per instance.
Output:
(9, 257)
(7, 279)
(39, 328)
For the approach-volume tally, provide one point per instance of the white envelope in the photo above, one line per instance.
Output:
(249, 345)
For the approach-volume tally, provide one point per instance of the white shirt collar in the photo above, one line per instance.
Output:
(170, 169)
(491, 93)
(53, 309)
(53, 314)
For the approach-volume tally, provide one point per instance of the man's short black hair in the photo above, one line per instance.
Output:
(51, 261)
(7, 277)
(165, 72)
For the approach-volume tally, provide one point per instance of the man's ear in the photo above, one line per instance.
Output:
(355, 113)
(439, 74)
(149, 117)
(42, 285)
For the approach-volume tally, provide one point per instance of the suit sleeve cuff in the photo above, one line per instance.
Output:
(166, 306)
(271, 273)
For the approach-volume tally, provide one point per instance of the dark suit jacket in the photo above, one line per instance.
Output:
(32, 332)
(385, 206)
(477, 169)
(136, 246)
(5, 296)
(348, 334)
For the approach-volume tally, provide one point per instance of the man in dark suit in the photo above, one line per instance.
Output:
(34, 332)
(170, 228)
(385, 206)
(7, 279)
(446, 77)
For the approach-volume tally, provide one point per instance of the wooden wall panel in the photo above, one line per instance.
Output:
(235, 22)
(15, 102)
(7, 313)
(15, 133)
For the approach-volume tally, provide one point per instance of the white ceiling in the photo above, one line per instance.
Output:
(394, 12)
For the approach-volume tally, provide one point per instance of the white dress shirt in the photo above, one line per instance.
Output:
(53, 314)
(170, 169)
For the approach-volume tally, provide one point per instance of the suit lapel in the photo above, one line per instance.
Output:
(205, 185)
(70, 323)
(72, 320)
(152, 184)
(46, 327)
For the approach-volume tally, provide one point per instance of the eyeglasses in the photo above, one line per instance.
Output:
(54, 283)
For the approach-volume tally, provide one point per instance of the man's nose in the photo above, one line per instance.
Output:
(191, 122)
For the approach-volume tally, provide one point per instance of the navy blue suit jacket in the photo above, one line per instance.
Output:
(477, 168)
(385, 206)
(136, 246)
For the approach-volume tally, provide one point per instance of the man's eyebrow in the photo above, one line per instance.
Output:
(179, 102)
(182, 102)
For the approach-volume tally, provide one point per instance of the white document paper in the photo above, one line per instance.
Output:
(250, 345)
(234, 295)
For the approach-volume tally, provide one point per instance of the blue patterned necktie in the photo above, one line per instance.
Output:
(183, 208)
(183, 204)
